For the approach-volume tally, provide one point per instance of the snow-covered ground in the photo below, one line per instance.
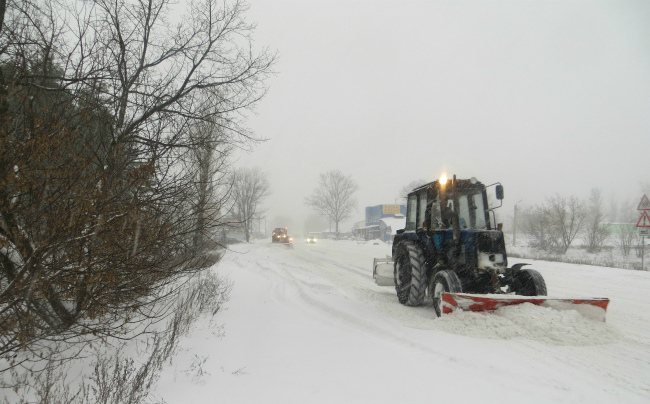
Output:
(308, 325)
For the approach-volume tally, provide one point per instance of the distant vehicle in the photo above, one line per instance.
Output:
(280, 236)
(311, 239)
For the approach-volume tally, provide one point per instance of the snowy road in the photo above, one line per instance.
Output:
(308, 325)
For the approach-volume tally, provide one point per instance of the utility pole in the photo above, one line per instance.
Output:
(643, 225)
(514, 226)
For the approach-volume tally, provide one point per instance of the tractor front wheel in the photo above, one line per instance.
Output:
(410, 273)
(443, 281)
(529, 282)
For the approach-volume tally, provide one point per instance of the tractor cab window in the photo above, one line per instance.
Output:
(471, 211)
(435, 219)
(411, 212)
(479, 207)
(464, 218)
(447, 212)
(422, 209)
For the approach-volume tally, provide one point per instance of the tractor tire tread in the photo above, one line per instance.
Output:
(414, 296)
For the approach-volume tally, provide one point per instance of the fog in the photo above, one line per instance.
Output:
(545, 97)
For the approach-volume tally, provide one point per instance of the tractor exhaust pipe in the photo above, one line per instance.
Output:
(455, 222)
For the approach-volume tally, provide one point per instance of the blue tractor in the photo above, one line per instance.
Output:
(449, 245)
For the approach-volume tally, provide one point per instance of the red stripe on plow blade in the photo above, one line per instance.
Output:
(590, 307)
(448, 303)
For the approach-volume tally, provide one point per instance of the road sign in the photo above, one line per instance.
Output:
(644, 231)
(644, 220)
(645, 203)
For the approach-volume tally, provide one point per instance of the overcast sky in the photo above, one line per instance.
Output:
(545, 97)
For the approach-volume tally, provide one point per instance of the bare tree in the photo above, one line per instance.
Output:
(567, 217)
(555, 224)
(596, 233)
(625, 238)
(249, 189)
(626, 235)
(536, 222)
(208, 158)
(334, 196)
(98, 105)
(403, 194)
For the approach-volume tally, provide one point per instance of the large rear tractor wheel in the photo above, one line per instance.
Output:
(410, 274)
(529, 282)
(443, 281)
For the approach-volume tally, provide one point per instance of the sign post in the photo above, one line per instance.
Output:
(643, 225)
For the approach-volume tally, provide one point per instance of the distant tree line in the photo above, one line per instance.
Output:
(115, 127)
(554, 225)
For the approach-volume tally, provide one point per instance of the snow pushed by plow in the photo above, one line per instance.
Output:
(531, 322)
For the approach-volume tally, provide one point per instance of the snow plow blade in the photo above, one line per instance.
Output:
(382, 271)
(594, 308)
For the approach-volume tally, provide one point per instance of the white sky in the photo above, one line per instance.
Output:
(545, 97)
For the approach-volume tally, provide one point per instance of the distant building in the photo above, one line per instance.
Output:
(375, 213)
(367, 232)
(382, 221)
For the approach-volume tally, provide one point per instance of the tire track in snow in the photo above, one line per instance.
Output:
(318, 296)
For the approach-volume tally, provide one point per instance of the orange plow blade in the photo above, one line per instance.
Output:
(594, 308)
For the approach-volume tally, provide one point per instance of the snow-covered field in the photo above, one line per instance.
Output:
(308, 325)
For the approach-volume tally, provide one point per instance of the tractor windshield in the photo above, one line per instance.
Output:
(427, 208)
(472, 214)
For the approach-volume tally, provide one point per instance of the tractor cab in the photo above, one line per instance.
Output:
(443, 204)
(449, 221)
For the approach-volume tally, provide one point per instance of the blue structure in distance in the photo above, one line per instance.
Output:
(375, 213)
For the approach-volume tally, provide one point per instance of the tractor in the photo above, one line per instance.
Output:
(280, 235)
(452, 253)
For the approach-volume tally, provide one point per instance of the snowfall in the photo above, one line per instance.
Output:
(308, 325)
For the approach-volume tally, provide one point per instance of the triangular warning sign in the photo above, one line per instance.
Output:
(645, 203)
(644, 220)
